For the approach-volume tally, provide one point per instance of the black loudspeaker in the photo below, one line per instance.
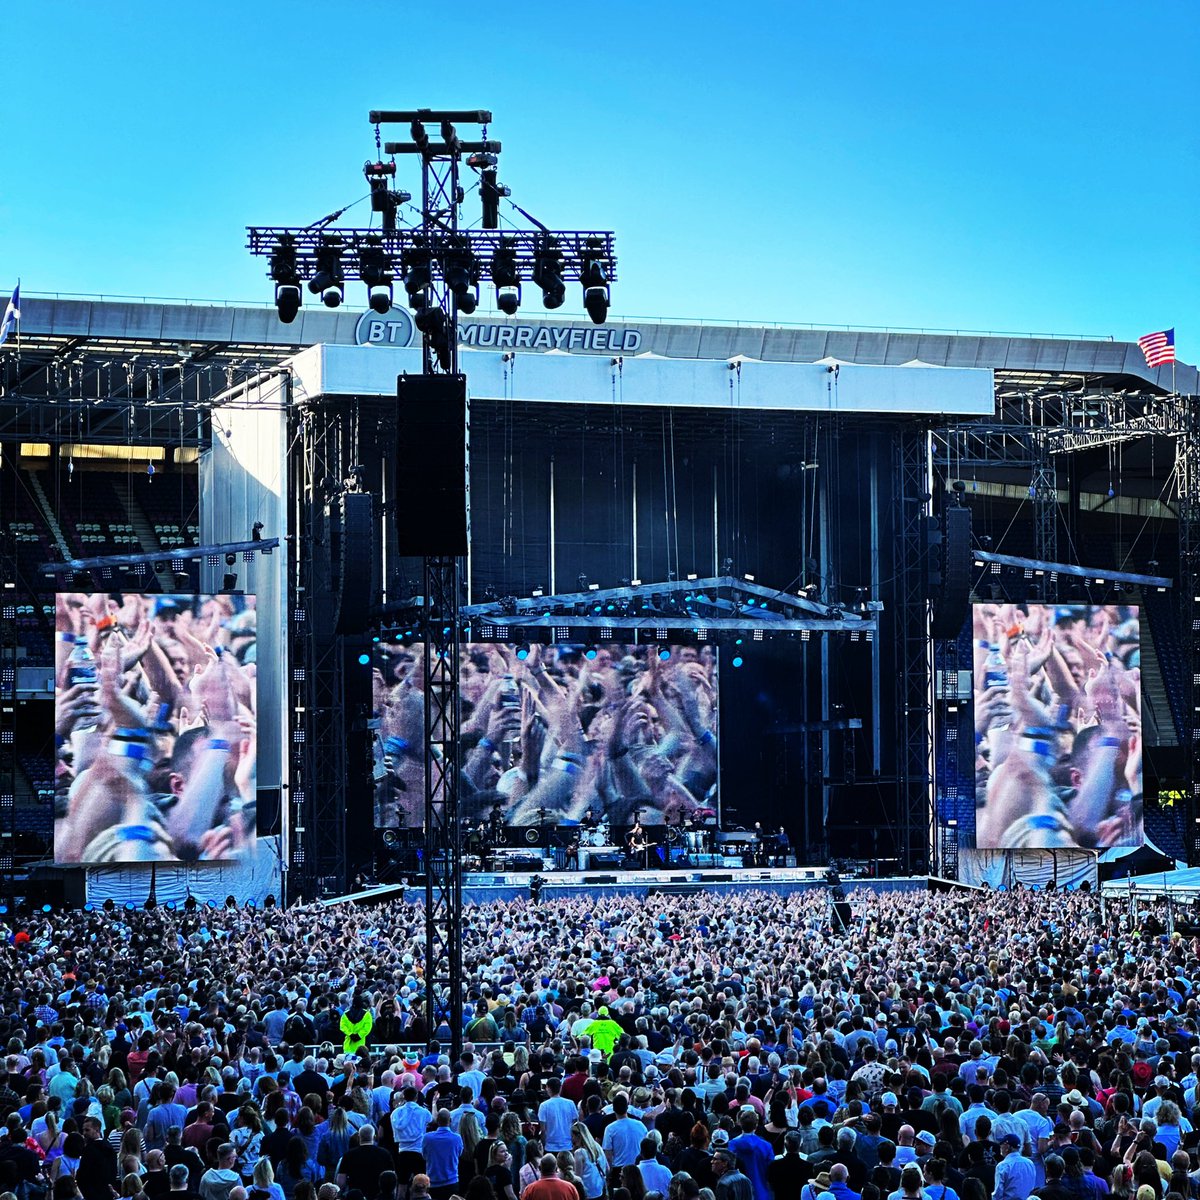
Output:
(950, 605)
(352, 553)
(841, 916)
(431, 475)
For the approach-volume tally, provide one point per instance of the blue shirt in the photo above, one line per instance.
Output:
(754, 1156)
(623, 1139)
(441, 1150)
(1015, 1178)
(557, 1115)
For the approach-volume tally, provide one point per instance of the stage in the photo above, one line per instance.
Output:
(481, 887)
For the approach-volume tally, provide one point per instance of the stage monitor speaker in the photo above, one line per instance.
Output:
(431, 474)
(841, 917)
(951, 605)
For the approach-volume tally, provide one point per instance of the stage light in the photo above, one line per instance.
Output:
(523, 654)
(461, 276)
(594, 278)
(506, 277)
(46, 908)
(109, 905)
(489, 190)
(328, 282)
(548, 271)
(269, 902)
(288, 295)
(664, 655)
(418, 275)
(433, 325)
(230, 902)
(376, 270)
(364, 660)
(590, 654)
(737, 660)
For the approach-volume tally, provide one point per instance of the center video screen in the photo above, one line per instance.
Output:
(1057, 726)
(557, 734)
(155, 711)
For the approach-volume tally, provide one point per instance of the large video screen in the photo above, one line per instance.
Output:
(558, 734)
(1057, 726)
(155, 712)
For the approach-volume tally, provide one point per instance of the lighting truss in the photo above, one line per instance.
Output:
(174, 554)
(576, 247)
(719, 603)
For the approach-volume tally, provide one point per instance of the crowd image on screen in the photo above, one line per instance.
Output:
(968, 1046)
(1057, 726)
(553, 732)
(155, 727)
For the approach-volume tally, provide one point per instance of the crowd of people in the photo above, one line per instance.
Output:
(551, 732)
(155, 727)
(1058, 730)
(741, 1047)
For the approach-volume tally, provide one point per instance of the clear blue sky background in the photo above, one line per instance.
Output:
(1031, 166)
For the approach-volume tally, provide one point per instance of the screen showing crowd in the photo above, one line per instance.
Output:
(551, 732)
(155, 717)
(1057, 726)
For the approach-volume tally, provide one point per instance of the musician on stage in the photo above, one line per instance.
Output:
(782, 846)
(637, 843)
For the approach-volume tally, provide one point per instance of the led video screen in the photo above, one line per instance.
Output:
(557, 734)
(155, 710)
(1057, 726)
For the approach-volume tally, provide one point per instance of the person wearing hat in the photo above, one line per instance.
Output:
(923, 1144)
(889, 1116)
(1015, 1174)
(604, 1031)
(815, 1187)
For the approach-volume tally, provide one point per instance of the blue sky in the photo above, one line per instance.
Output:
(1024, 167)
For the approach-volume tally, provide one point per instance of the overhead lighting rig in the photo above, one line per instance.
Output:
(440, 264)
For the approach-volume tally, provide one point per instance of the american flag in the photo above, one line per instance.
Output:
(1159, 348)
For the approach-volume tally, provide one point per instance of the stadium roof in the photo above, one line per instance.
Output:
(158, 352)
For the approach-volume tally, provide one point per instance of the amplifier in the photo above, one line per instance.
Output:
(609, 860)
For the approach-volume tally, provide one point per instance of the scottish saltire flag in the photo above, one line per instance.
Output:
(12, 314)
(1159, 348)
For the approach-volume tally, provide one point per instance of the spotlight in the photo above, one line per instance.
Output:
(461, 275)
(548, 271)
(288, 295)
(109, 905)
(376, 271)
(328, 281)
(230, 902)
(489, 190)
(269, 902)
(230, 559)
(506, 277)
(418, 275)
(434, 326)
(595, 282)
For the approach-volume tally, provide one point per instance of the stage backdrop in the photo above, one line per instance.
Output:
(1057, 726)
(551, 732)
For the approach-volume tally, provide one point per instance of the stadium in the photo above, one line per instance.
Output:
(475, 753)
